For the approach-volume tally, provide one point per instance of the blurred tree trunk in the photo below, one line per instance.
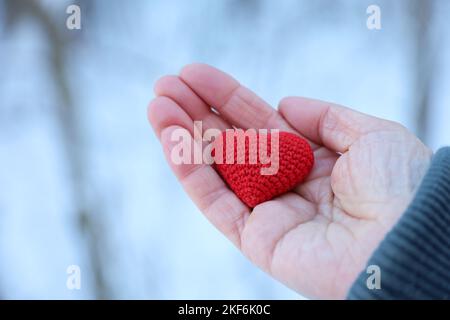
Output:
(424, 55)
(89, 217)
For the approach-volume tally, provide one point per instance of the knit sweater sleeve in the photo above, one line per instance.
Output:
(414, 258)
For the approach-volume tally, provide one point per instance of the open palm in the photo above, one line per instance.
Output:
(317, 238)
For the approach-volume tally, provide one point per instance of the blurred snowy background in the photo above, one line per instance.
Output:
(82, 177)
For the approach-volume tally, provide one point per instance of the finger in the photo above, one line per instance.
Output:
(204, 186)
(235, 103)
(174, 88)
(328, 124)
(208, 191)
(163, 112)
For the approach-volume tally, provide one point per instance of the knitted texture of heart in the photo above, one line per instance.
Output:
(294, 162)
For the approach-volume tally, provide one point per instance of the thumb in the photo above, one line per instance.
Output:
(328, 124)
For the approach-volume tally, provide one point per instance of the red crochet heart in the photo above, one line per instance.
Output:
(295, 161)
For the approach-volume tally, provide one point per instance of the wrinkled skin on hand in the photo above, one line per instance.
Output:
(317, 238)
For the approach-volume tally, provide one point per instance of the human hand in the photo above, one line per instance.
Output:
(318, 237)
